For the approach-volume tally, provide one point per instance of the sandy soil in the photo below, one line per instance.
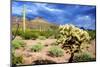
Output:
(92, 48)
(30, 57)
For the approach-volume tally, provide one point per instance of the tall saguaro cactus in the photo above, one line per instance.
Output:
(24, 18)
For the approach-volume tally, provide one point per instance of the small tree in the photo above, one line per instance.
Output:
(72, 38)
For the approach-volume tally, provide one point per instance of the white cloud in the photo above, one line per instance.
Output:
(85, 21)
(52, 9)
(45, 7)
(84, 18)
(34, 9)
(16, 10)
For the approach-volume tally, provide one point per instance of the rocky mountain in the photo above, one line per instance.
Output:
(36, 23)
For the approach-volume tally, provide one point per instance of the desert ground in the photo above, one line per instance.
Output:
(32, 57)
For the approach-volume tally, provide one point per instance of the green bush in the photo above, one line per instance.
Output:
(33, 34)
(29, 35)
(56, 51)
(47, 34)
(38, 47)
(42, 37)
(16, 59)
(19, 32)
(13, 31)
(92, 33)
(83, 57)
(17, 44)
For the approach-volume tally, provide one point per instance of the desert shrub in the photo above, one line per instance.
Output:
(92, 33)
(13, 31)
(56, 35)
(38, 47)
(34, 34)
(16, 59)
(19, 32)
(29, 35)
(56, 51)
(42, 37)
(72, 38)
(47, 34)
(83, 57)
(17, 43)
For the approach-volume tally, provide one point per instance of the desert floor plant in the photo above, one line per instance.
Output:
(29, 35)
(16, 59)
(17, 43)
(37, 47)
(72, 38)
(83, 57)
(41, 37)
(92, 33)
(56, 51)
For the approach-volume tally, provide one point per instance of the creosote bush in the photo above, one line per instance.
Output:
(33, 34)
(72, 38)
(17, 43)
(83, 57)
(42, 37)
(29, 35)
(19, 32)
(16, 59)
(56, 51)
(92, 33)
(38, 47)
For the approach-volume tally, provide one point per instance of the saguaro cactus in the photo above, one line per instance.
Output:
(24, 18)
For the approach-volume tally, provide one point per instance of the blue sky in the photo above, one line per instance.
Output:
(79, 15)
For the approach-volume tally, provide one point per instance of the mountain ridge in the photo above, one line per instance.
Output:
(36, 23)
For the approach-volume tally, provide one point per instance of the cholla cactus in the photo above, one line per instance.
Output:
(72, 38)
